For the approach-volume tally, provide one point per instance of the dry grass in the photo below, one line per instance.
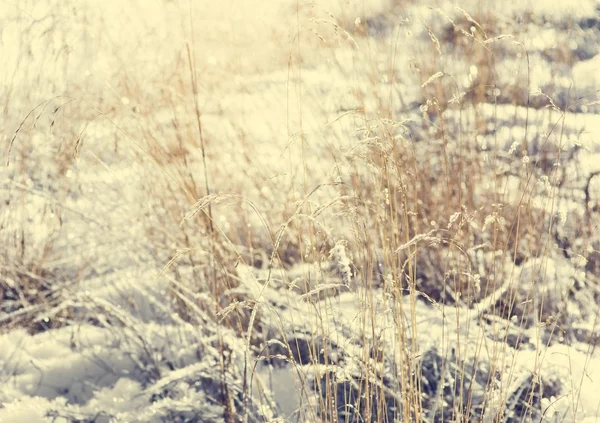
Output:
(374, 171)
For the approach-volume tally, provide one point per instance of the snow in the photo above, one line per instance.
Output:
(292, 96)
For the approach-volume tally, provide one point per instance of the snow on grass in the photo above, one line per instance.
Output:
(319, 122)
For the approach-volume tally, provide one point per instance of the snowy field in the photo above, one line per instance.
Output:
(300, 211)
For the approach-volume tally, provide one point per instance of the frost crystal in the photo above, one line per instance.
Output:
(342, 261)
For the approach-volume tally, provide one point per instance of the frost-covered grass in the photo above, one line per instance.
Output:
(337, 211)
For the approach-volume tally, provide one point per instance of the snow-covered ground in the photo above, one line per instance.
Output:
(122, 301)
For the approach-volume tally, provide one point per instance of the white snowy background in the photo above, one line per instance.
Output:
(103, 160)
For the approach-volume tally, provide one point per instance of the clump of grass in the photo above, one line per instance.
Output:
(422, 212)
